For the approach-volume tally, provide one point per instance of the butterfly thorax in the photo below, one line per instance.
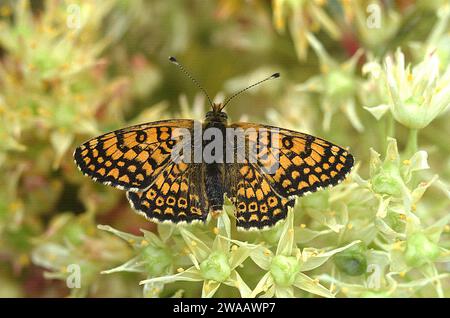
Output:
(216, 116)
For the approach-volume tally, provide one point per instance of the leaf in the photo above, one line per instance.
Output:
(133, 240)
(192, 274)
(324, 57)
(133, 265)
(305, 283)
(418, 192)
(287, 236)
(383, 207)
(434, 231)
(326, 220)
(313, 262)
(350, 111)
(392, 151)
(153, 239)
(264, 284)
(397, 263)
(61, 143)
(235, 280)
(306, 235)
(269, 293)
(238, 256)
(209, 288)
(332, 29)
(262, 257)
(384, 228)
(378, 111)
(195, 245)
(220, 242)
(375, 162)
(419, 161)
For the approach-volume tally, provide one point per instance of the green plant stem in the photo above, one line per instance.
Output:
(412, 145)
(390, 129)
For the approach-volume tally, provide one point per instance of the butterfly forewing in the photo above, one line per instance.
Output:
(130, 158)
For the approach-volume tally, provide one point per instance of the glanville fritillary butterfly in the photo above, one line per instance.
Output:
(262, 180)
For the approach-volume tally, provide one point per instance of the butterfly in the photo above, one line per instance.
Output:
(154, 163)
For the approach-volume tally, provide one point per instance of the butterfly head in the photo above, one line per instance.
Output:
(216, 115)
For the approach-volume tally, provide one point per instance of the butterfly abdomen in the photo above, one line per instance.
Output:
(214, 184)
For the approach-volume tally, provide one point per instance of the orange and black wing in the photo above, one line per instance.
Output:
(258, 205)
(131, 158)
(291, 163)
(177, 195)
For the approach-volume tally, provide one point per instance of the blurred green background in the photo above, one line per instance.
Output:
(71, 70)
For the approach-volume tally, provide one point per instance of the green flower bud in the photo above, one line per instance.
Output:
(157, 260)
(387, 181)
(216, 267)
(284, 269)
(413, 113)
(339, 84)
(352, 261)
(420, 250)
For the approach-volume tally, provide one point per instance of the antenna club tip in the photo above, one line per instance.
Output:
(173, 59)
(276, 75)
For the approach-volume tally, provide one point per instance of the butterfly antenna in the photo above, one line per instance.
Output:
(174, 61)
(273, 76)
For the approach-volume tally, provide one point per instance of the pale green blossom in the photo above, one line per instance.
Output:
(337, 85)
(213, 264)
(416, 94)
(285, 268)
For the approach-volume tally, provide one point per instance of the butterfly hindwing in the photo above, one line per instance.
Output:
(130, 158)
(177, 195)
(257, 204)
